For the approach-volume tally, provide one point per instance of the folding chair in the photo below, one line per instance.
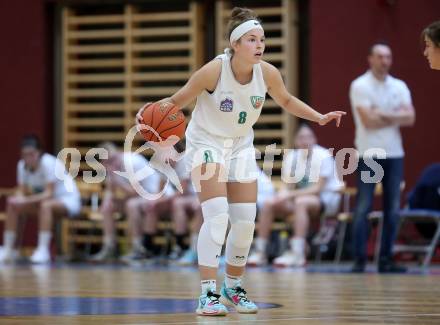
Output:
(346, 216)
(420, 215)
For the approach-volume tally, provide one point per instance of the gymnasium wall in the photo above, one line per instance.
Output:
(340, 35)
(25, 81)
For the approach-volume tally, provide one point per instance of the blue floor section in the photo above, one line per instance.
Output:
(66, 306)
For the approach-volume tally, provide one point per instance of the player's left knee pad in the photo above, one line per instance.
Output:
(242, 217)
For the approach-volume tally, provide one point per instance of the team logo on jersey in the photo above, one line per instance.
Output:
(257, 101)
(226, 105)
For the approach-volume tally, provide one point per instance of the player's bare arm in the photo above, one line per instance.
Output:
(204, 78)
(46, 194)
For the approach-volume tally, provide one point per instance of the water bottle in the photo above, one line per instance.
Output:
(283, 238)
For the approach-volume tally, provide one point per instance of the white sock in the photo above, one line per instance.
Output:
(136, 242)
(208, 285)
(109, 241)
(194, 238)
(260, 244)
(44, 238)
(297, 244)
(232, 281)
(9, 239)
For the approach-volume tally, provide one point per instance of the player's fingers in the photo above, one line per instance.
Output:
(139, 127)
(141, 111)
(146, 105)
(139, 118)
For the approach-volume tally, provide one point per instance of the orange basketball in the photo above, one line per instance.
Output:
(165, 119)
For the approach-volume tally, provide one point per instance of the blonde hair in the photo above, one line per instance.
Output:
(239, 15)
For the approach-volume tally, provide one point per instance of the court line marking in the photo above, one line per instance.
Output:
(205, 319)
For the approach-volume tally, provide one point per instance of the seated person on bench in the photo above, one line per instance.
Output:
(42, 193)
(120, 196)
(317, 192)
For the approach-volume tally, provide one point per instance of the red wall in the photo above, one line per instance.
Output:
(341, 33)
(25, 82)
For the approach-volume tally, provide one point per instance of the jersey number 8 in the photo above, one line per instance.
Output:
(242, 117)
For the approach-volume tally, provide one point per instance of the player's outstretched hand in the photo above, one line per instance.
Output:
(336, 115)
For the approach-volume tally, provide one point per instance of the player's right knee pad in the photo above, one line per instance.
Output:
(215, 215)
(213, 231)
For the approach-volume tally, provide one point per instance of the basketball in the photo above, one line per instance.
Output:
(166, 119)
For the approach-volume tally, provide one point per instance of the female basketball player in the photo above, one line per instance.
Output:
(230, 92)
(431, 36)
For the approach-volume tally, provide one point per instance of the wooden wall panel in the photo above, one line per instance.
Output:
(116, 60)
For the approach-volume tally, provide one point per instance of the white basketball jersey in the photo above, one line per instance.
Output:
(232, 109)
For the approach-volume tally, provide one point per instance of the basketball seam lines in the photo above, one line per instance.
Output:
(165, 115)
(174, 126)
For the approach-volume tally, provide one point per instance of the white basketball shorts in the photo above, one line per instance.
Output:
(237, 155)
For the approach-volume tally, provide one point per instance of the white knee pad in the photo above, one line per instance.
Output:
(215, 215)
(240, 236)
(213, 231)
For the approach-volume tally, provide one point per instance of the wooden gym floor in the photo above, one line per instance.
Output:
(84, 294)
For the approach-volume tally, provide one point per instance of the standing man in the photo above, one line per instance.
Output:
(381, 104)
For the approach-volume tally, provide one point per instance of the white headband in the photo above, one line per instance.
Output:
(243, 28)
